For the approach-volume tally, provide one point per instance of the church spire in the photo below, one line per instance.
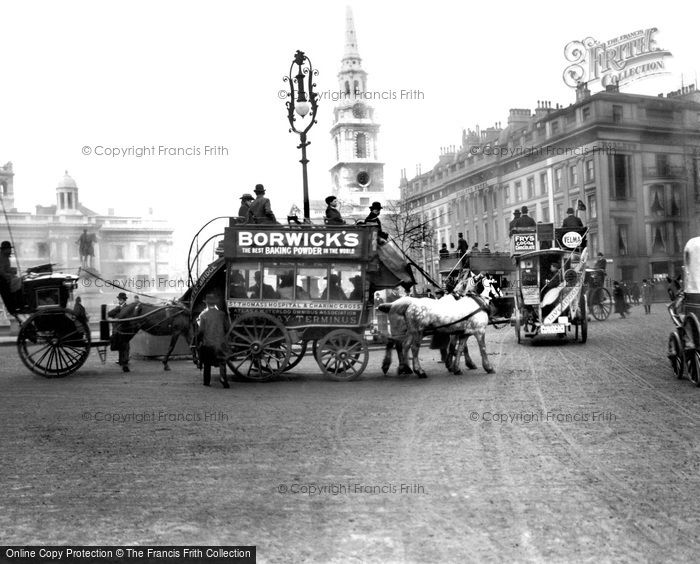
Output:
(351, 51)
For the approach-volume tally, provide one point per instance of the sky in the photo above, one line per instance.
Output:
(178, 74)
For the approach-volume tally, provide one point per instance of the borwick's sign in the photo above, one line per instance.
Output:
(294, 243)
(619, 61)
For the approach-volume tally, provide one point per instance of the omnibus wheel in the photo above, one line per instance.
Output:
(259, 347)
(342, 355)
(692, 365)
(601, 304)
(296, 353)
(53, 343)
(583, 320)
(676, 355)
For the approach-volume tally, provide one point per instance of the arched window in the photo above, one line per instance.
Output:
(361, 146)
(347, 87)
(3, 188)
(357, 87)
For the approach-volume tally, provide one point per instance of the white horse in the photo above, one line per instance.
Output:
(460, 316)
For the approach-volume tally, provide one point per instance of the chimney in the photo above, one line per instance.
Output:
(518, 118)
(582, 91)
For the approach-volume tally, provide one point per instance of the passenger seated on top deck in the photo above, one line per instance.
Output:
(268, 292)
(286, 288)
(333, 289)
(333, 216)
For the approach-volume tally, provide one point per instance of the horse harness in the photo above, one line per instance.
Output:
(483, 306)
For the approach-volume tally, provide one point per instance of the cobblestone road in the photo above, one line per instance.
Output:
(569, 452)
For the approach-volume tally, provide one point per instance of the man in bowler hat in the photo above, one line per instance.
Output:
(525, 220)
(373, 217)
(571, 220)
(260, 210)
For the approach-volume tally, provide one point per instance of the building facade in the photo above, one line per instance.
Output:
(357, 175)
(632, 160)
(131, 250)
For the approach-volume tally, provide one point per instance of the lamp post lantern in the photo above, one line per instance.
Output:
(302, 104)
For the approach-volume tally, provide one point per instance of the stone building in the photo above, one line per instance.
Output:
(632, 160)
(133, 251)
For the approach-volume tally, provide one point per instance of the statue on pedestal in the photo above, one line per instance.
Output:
(86, 246)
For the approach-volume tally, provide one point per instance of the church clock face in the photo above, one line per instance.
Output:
(363, 178)
(358, 111)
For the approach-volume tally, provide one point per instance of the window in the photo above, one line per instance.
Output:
(622, 241)
(592, 207)
(364, 201)
(558, 217)
(675, 200)
(557, 180)
(590, 170)
(585, 113)
(506, 193)
(63, 200)
(555, 127)
(141, 249)
(617, 113)
(361, 146)
(545, 214)
(531, 187)
(573, 175)
(658, 243)
(69, 199)
(657, 205)
(494, 201)
(42, 250)
(620, 181)
(662, 165)
(518, 191)
(544, 185)
(119, 252)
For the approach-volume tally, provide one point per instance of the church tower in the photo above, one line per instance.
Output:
(358, 175)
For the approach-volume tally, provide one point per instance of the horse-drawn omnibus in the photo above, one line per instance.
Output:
(290, 286)
(550, 293)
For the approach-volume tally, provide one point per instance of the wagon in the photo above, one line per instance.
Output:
(52, 341)
(291, 288)
(684, 340)
(550, 297)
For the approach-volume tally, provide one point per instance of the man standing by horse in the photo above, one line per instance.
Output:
(211, 339)
(119, 342)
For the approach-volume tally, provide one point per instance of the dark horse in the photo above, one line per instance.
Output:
(159, 320)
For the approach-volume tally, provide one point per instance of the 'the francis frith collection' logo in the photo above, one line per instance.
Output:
(618, 61)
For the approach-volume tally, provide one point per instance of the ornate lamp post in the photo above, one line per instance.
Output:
(302, 102)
